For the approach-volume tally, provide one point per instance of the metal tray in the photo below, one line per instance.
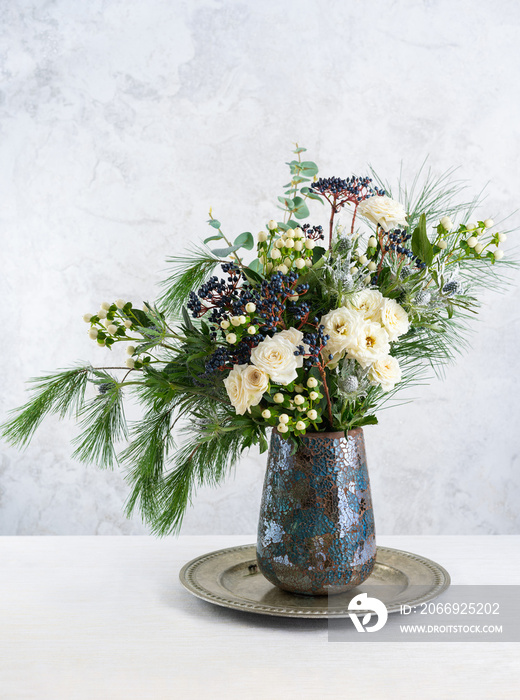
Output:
(230, 578)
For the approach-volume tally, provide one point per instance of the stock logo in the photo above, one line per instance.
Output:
(362, 602)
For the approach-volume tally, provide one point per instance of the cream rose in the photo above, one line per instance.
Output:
(384, 211)
(385, 372)
(255, 381)
(370, 344)
(368, 302)
(275, 356)
(245, 386)
(237, 392)
(342, 326)
(394, 319)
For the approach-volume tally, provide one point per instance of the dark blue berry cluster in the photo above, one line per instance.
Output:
(396, 243)
(300, 312)
(315, 233)
(350, 189)
(225, 357)
(272, 299)
(315, 342)
(221, 297)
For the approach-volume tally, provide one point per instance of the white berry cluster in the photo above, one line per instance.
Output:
(471, 239)
(297, 408)
(239, 326)
(283, 251)
(112, 323)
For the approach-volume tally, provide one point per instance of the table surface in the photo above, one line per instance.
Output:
(106, 617)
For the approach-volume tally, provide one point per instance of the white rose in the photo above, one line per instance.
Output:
(245, 386)
(370, 344)
(368, 302)
(385, 372)
(394, 319)
(342, 326)
(275, 356)
(384, 211)
(293, 335)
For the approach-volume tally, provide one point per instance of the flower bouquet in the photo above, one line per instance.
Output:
(308, 335)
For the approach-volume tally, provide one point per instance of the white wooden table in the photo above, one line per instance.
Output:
(106, 618)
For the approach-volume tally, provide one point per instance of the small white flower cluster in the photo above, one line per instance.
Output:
(362, 330)
(289, 250)
(273, 360)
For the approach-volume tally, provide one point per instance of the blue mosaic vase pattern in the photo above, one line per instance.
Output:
(316, 531)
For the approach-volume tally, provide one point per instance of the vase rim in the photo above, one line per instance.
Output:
(331, 434)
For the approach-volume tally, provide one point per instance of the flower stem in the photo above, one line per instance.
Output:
(321, 370)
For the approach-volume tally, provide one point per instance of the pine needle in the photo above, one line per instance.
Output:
(146, 457)
(103, 423)
(187, 273)
(61, 393)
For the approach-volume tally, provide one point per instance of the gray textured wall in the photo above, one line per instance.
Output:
(121, 122)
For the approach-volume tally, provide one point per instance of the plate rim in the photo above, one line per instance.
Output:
(186, 577)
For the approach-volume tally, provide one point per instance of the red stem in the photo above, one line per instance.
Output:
(321, 370)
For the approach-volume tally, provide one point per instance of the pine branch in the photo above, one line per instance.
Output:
(188, 272)
(103, 423)
(146, 456)
(430, 194)
(210, 451)
(61, 393)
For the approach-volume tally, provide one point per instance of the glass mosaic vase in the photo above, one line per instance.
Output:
(316, 530)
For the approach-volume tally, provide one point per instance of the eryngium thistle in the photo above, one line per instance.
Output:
(451, 288)
(423, 297)
(348, 385)
(344, 245)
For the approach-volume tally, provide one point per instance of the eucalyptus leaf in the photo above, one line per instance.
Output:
(287, 201)
(308, 167)
(224, 252)
(187, 320)
(301, 210)
(212, 238)
(311, 194)
(215, 223)
(245, 240)
(255, 265)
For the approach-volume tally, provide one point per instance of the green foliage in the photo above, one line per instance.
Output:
(213, 444)
(168, 374)
(421, 246)
(103, 424)
(430, 194)
(146, 458)
(60, 393)
(295, 195)
(187, 272)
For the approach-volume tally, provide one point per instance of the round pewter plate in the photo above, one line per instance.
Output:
(230, 578)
